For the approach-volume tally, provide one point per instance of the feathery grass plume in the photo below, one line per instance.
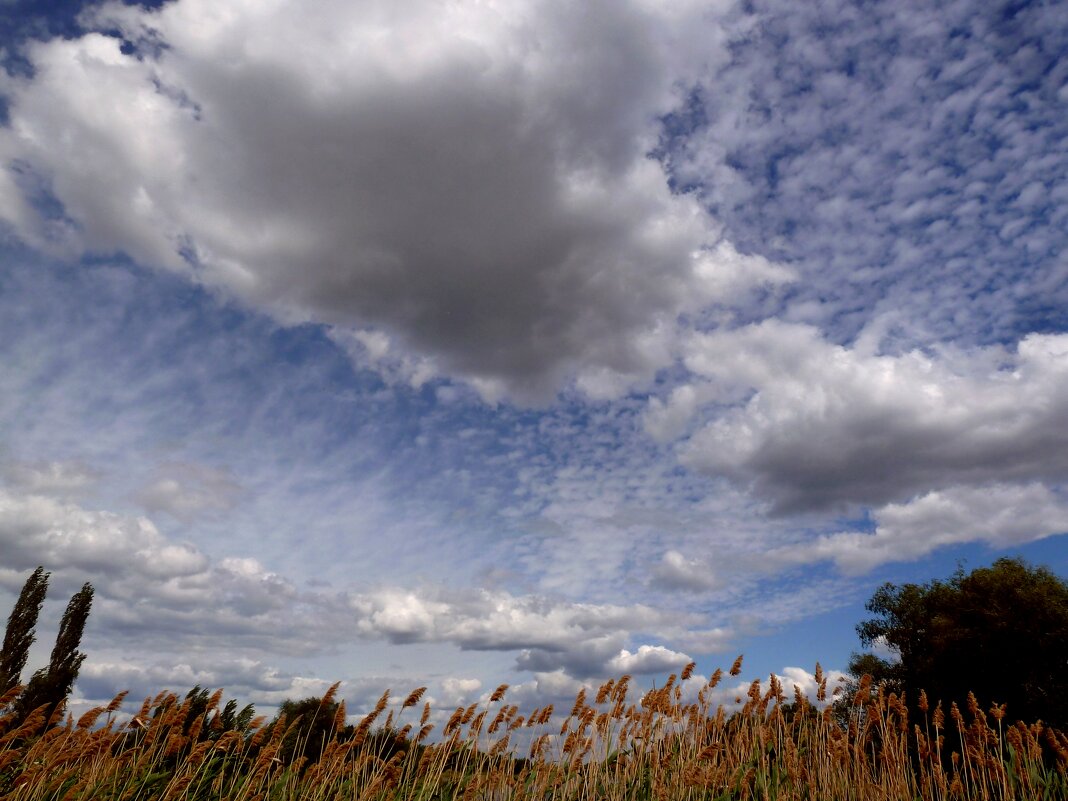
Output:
(659, 750)
(89, 718)
(498, 694)
(715, 678)
(413, 697)
(213, 701)
(604, 691)
(688, 670)
(468, 714)
(821, 684)
(339, 717)
(454, 721)
(580, 703)
(328, 698)
(736, 668)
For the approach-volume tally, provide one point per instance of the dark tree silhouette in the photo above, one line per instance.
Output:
(51, 685)
(311, 723)
(20, 633)
(999, 631)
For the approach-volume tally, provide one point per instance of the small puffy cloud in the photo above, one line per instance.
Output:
(676, 572)
(457, 690)
(400, 617)
(648, 659)
(826, 425)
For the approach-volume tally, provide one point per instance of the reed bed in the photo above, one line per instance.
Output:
(615, 745)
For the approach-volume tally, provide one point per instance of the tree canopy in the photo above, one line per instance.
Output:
(48, 687)
(21, 629)
(999, 631)
(52, 684)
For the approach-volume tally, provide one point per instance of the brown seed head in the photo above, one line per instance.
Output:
(580, 702)
(115, 702)
(736, 668)
(330, 693)
(339, 717)
(604, 691)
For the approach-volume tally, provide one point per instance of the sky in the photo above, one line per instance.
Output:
(535, 342)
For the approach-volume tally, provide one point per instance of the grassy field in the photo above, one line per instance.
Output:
(614, 745)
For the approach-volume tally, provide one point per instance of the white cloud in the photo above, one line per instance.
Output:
(805, 681)
(470, 181)
(583, 639)
(885, 155)
(647, 659)
(39, 530)
(668, 420)
(677, 572)
(998, 515)
(826, 424)
(149, 588)
(458, 690)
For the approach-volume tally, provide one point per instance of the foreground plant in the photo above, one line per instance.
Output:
(669, 743)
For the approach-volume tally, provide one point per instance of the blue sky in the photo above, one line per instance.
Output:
(534, 342)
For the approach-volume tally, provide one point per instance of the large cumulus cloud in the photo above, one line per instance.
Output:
(468, 182)
(810, 424)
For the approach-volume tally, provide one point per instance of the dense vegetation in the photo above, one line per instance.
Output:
(879, 742)
(1000, 632)
(613, 747)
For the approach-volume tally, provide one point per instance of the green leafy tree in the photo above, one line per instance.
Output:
(999, 631)
(20, 633)
(51, 685)
(311, 723)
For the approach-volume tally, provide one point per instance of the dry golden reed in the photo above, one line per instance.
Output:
(670, 742)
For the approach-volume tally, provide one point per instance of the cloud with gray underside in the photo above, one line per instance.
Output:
(465, 185)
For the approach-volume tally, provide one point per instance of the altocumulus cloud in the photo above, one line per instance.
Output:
(469, 183)
(152, 591)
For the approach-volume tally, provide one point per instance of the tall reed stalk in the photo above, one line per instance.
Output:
(665, 744)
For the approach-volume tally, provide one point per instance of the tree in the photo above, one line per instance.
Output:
(20, 633)
(311, 723)
(51, 685)
(1000, 632)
